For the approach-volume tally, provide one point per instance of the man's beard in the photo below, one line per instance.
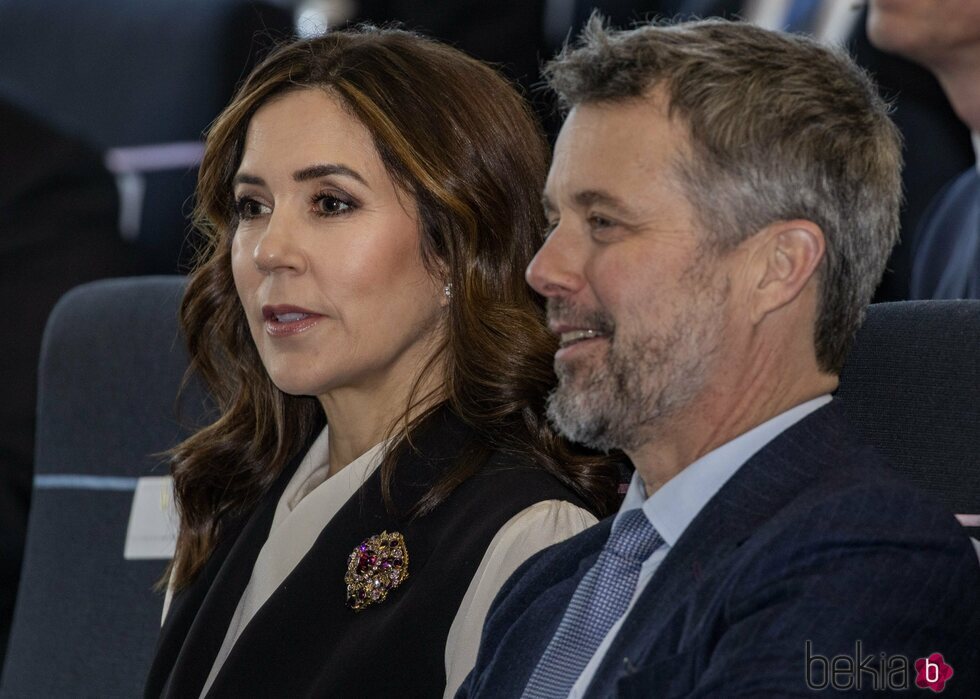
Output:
(621, 399)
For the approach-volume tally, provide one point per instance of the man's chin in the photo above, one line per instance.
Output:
(575, 416)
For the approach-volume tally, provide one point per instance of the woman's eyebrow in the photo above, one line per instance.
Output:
(245, 178)
(314, 172)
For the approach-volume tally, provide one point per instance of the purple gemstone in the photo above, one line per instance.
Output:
(363, 561)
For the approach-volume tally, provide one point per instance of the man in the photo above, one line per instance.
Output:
(946, 262)
(722, 202)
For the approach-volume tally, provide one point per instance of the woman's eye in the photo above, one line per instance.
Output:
(330, 205)
(550, 228)
(248, 208)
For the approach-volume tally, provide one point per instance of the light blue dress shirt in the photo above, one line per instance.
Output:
(678, 501)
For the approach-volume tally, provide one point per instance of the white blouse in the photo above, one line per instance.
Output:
(312, 498)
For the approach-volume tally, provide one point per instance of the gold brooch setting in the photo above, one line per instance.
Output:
(375, 567)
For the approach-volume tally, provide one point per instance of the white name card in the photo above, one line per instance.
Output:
(152, 530)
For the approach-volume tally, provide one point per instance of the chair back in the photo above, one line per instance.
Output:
(87, 617)
(912, 385)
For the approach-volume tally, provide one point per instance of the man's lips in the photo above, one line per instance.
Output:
(578, 326)
(572, 337)
(284, 320)
(569, 335)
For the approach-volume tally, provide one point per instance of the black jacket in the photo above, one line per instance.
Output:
(305, 641)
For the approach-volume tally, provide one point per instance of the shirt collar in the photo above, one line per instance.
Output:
(676, 503)
(314, 470)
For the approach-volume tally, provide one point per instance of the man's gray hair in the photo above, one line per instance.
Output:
(781, 127)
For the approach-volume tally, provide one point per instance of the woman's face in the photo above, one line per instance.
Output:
(326, 256)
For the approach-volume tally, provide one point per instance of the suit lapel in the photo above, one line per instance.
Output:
(534, 608)
(319, 577)
(760, 488)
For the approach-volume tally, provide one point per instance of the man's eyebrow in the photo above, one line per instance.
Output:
(317, 171)
(590, 197)
(587, 198)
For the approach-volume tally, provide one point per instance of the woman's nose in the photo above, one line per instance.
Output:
(278, 247)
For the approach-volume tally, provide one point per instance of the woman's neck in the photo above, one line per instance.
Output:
(359, 419)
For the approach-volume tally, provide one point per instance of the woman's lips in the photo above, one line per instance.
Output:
(283, 321)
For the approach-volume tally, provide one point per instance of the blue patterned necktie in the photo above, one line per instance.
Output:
(601, 598)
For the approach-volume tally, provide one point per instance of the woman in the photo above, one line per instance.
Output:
(370, 202)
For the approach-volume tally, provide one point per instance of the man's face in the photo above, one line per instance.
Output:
(931, 32)
(637, 297)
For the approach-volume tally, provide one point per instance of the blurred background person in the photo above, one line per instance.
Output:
(946, 259)
(370, 201)
(137, 82)
(58, 228)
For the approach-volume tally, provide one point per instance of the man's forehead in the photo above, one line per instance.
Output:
(654, 102)
(603, 146)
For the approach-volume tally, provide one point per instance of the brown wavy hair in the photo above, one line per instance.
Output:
(457, 137)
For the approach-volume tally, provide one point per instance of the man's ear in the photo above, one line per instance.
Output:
(786, 258)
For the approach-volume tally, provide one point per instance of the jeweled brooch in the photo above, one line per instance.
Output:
(377, 566)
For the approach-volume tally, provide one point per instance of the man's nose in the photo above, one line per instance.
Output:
(556, 269)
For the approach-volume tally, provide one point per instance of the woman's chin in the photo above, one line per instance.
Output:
(291, 387)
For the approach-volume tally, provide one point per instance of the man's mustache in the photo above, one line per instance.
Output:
(566, 313)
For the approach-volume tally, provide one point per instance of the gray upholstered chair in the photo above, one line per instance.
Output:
(87, 618)
(912, 385)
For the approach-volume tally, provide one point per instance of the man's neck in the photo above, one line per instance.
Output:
(714, 419)
(960, 79)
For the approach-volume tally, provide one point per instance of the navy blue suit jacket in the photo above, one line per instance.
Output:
(946, 262)
(813, 539)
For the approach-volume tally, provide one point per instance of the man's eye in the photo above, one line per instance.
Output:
(248, 208)
(331, 205)
(599, 222)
